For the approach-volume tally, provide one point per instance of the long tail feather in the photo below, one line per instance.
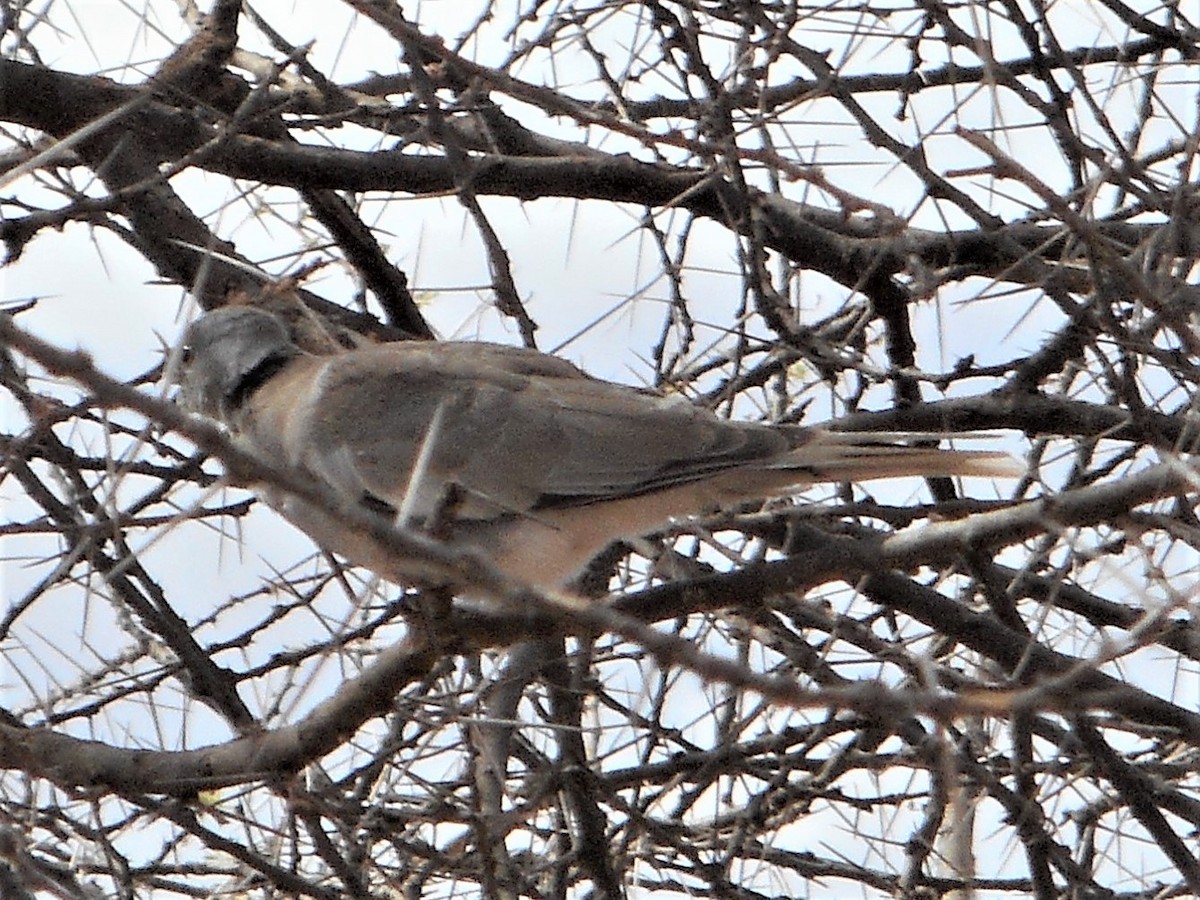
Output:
(859, 456)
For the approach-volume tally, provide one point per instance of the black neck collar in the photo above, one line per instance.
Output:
(256, 378)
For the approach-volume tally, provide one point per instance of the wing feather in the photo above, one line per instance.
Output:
(519, 431)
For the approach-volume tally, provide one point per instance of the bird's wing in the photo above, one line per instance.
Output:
(515, 430)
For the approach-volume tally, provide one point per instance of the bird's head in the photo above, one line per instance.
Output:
(227, 354)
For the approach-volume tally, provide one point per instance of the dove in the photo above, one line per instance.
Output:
(514, 454)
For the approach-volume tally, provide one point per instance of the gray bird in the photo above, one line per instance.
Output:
(526, 458)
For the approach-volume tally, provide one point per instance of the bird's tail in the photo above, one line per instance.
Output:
(827, 455)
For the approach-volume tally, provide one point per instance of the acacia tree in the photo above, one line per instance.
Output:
(948, 217)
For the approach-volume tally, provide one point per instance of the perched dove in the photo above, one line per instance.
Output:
(526, 458)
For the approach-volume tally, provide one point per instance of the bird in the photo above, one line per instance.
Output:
(516, 454)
